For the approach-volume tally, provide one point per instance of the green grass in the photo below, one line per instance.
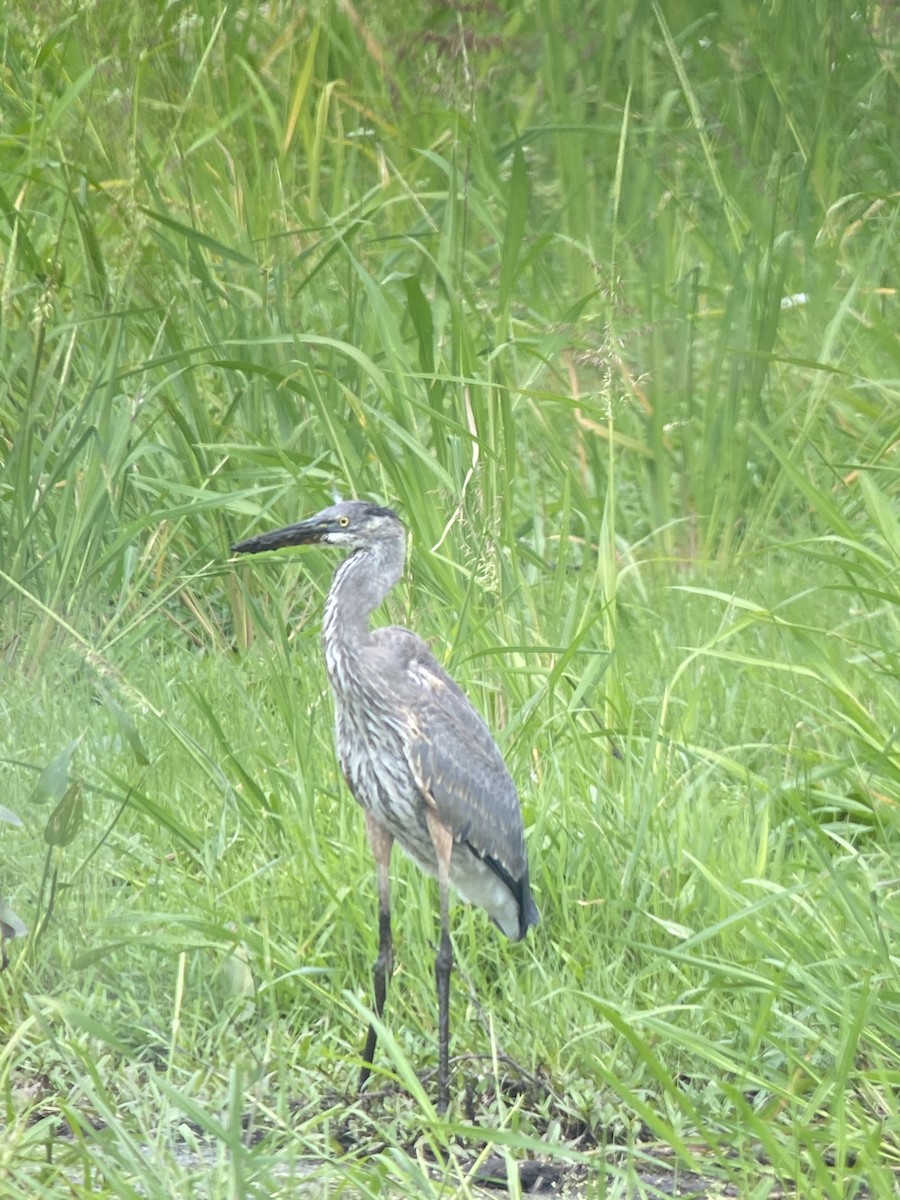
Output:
(603, 299)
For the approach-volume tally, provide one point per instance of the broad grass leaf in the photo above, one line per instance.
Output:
(53, 781)
(66, 818)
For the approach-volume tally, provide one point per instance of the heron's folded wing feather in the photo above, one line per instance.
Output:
(457, 765)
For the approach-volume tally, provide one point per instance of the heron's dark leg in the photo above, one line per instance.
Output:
(443, 963)
(381, 842)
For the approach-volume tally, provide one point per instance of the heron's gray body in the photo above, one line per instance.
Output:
(414, 752)
(422, 724)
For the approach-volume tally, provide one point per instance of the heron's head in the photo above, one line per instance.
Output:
(353, 524)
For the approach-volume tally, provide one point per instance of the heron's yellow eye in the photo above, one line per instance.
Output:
(345, 521)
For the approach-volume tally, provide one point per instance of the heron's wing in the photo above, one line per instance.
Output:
(454, 759)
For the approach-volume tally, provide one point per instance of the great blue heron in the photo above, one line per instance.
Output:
(415, 753)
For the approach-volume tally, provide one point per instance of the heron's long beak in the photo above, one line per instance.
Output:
(301, 534)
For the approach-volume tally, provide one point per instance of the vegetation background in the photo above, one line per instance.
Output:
(602, 297)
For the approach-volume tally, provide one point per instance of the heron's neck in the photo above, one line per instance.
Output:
(359, 585)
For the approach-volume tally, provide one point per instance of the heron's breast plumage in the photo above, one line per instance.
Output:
(370, 751)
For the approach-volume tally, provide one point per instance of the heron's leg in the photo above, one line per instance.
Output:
(381, 842)
(442, 839)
